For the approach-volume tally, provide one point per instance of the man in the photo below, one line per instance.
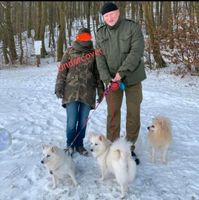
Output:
(122, 45)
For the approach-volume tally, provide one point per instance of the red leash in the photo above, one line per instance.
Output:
(112, 87)
(106, 92)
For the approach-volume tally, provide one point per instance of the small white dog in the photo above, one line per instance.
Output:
(159, 137)
(59, 163)
(114, 158)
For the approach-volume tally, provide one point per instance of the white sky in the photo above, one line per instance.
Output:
(33, 115)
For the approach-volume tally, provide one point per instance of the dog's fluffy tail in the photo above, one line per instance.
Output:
(121, 148)
(123, 164)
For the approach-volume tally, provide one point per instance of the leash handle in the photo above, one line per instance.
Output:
(115, 86)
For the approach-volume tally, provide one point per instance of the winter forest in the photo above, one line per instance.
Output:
(170, 27)
(34, 36)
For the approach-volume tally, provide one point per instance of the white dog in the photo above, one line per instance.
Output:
(59, 163)
(114, 158)
(159, 137)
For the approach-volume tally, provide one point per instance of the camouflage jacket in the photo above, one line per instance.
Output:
(79, 79)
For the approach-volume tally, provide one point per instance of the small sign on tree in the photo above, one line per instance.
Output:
(37, 46)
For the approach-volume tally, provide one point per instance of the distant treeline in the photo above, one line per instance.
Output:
(171, 28)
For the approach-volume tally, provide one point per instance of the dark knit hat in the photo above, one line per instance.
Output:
(84, 30)
(108, 7)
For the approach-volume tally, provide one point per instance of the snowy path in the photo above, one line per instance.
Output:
(30, 111)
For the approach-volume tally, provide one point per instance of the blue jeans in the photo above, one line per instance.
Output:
(77, 115)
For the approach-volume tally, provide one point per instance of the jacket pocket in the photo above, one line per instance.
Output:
(125, 43)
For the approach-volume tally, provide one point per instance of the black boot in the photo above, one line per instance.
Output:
(82, 151)
(137, 161)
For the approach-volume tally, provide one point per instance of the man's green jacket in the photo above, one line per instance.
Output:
(122, 51)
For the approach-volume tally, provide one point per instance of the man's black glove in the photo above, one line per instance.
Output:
(100, 98)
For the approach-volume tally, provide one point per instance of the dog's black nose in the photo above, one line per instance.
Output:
(91, 150)
(148, 127)
(42, 162)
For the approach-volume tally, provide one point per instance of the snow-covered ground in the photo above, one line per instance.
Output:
(33, 115)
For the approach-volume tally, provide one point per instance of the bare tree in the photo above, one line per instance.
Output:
(122, 6)
(60, 41)
(42, 33)
(155, 45)
(20, 28)
(38, 20)
(29, 18)
(4, 42)
(88, 13)
(9, 31)
(197, 12)
(51, 22)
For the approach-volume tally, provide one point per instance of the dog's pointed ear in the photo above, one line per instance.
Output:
(101, 138)
(54, 149)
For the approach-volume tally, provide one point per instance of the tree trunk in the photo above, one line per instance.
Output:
(121, 6)
(42, 33)
(38, 20)
(133, 10)
(10, 35)
(140, 13)
(96, 9)
(60, 41)
(197, 12)
(161, 12)
(41, 22)
(29, 18)
(21, 49)
(51, 25)
(157, 13)
(14, 17)
(5, 52)
(153, 36)
(170, 26)
(21, 22)
(88, 4)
